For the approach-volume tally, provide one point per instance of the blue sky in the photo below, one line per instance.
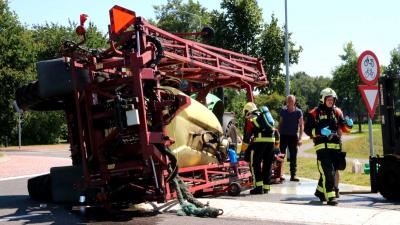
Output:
(321, 27)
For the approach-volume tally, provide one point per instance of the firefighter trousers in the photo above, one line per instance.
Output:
(326, 166)
(261, 159)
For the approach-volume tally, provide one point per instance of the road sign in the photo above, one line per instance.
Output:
(370, 96)
(121, 19)
(368, 67)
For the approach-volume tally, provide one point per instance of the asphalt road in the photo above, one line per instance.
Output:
(287, 203)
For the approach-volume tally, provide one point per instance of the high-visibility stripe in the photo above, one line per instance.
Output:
(314, 133)
(260, 138)
(328, 145)
(331, 194)
(251, 167)
(265, 118)
(321, 170)
(320, 189)
(259, 183)
(321, 117)
(266, 186)
(264, 139)
(254, 120)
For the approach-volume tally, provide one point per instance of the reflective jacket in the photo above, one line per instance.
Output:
(254, 129)
(321, 117)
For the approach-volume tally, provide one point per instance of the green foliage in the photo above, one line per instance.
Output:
(345, 82)
(10, 80)
(307, 88)
(393, 69)
(15, 44)
(238, 25)
(50, 36)
(271, 49)
(43, 127)
(274, 102)
(178, 17)
(20, 48)
(234, 102)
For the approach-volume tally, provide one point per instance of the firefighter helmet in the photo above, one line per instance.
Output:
(249, 107)
(326, 93)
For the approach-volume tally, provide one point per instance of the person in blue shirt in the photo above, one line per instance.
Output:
(291, 131)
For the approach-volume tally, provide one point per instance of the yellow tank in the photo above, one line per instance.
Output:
(192, 129)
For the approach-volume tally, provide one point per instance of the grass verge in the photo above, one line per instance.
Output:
(307, 168)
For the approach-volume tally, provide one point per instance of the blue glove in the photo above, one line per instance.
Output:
(349, 122)
(325, 131)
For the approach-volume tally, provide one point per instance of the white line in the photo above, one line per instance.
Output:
(20, 177)
(8, 218)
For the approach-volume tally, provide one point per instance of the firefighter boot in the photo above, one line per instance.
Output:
(332, 201)
(257, 190)
(320, 195)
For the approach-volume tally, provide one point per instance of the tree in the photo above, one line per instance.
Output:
(345, 82)
(272, 52)
(393, 69)
(237, 27)
(177, 17)
(307, 89)
(49, 127)
(16, 58)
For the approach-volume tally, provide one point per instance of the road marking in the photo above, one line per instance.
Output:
(8, 218)
(21, 177)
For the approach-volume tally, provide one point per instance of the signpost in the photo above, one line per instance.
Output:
(19, 111)
(369, 71)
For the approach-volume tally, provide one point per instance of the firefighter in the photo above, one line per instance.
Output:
(324, 125)
(259, 127)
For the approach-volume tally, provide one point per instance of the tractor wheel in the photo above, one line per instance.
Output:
(39, 188)
(389, 179)
(28, 98)
(234, 189)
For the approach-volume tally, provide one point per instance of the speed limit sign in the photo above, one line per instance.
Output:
(368, 68)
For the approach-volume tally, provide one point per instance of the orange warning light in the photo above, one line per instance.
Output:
(121, 19)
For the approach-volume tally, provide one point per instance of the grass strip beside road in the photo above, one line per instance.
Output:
(307, 168)
(357, 148)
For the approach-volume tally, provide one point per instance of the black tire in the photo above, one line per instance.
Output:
(28, 98)
(389, 178)
(39, 188)
(234, 189)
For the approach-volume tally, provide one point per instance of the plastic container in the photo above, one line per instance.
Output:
(232, 156)
(366, 168)
(357, 167)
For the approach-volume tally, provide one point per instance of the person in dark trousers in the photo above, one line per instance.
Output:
(291, 128)
(324, 125)
(258, 144)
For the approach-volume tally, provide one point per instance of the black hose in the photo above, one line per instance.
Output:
(160, 50)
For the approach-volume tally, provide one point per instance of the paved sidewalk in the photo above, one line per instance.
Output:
(18, 165)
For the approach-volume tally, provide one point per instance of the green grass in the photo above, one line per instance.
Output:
(307, 168)
(359, 147)
(355, 148)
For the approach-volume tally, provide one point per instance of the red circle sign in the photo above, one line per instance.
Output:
(368, 67)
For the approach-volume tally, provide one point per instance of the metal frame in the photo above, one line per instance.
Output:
(142, 165)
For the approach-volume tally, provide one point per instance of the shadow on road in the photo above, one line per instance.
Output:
(23, 210)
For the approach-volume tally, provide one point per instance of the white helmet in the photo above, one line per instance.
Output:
(327, 92)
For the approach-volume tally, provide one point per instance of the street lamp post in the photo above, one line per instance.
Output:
(287, 52)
